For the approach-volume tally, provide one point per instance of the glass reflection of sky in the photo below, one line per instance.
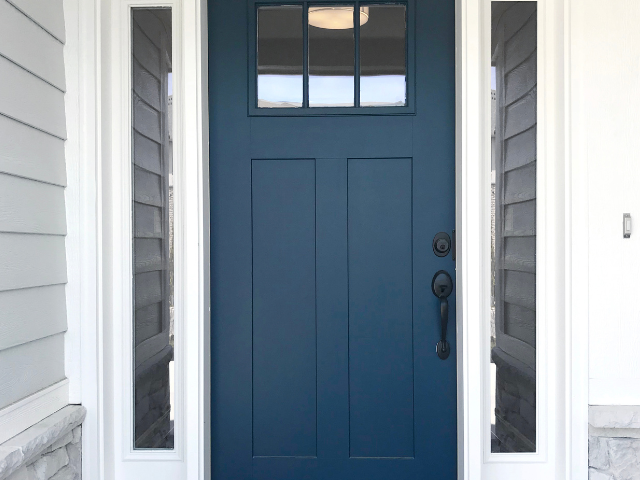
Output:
(332, 90)
(326, 90)
(278, 89)
(383, 89)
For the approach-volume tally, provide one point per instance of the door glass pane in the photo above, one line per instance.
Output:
(152, 242)
(383, 67)
(280, 49)
(331, 56)
(513, 226)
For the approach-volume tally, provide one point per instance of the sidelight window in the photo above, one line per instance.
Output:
(153, 233)
(326, 58)
(513, 338)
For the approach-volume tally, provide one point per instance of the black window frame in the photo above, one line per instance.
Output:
(305, 110)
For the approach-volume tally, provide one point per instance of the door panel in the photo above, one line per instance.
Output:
(324, 325)
(284, 308)
(380, 308)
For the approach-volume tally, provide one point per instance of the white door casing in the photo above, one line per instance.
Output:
(103, 136)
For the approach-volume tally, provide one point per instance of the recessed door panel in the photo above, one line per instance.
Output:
(380, 308)
(284, 308)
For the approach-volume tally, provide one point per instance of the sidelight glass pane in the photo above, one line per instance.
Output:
(331, 56)
(513, 226)
(280, 49)
(383, 65)
(152, 242)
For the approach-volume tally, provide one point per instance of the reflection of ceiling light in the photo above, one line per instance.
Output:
(336, 18)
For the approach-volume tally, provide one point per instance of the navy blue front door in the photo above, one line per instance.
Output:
(324, 325)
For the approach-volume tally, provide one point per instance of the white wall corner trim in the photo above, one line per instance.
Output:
(576, 257)
(84, 339)
(27, 412)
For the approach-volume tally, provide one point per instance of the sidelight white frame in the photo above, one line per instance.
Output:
(187, 459)
(122, 174)
(98, 111)
(100, 57)
(562, 360)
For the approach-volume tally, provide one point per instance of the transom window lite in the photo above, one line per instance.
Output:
(347, 55)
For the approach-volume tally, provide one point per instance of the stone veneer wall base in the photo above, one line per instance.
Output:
(614, 442)
(49, 450)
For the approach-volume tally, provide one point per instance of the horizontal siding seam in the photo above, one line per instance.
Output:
(9, 59)
(42, 27)
(145, 33)
(526, 308)
(534, 52)
(521, 132)
(32, 126)
(21, 344)
(145, 169)
(36, 180)
(36, 340)
(148, 270)
(517, 202)
(524, 24)
(42, 234)
(44, 182)
(142, 100)
(133, 55)
(521, 167)
(148, 138)
(33, 286)
(149, 203)
(523, 95)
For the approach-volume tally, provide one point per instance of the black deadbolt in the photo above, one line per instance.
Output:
(442, 244)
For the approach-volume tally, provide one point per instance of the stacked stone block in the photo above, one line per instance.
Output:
(614, 442)
(61, 461)
(49, 450)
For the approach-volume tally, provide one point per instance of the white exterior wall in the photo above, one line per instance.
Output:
(605, 79)
(32, 208)
(606, 71)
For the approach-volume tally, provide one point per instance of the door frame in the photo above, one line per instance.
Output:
(96, 105)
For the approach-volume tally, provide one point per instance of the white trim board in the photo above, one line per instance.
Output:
(576, 366)
(84, 340)
(614, 391)
(27, 412)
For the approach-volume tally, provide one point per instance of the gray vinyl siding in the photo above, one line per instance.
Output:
(516, 89)
(33, 270)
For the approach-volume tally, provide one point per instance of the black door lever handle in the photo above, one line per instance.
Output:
(442, 286)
